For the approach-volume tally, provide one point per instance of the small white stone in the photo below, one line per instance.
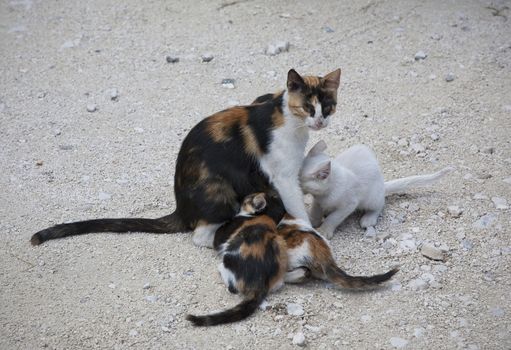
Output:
(408, 244)
(449, 77)
(228, 83)
(151, 298)
(146, 286)
(484, 221)
(133, 333)
(91, 107)
(418, 148)
(480, 196)
(207, 57)
(104, 196)
(111, 286)
(365, 318)
(435, 137)
(398, 343)
(507, 180)
(500, 203)
(432, 252)
(418, 284)
(420, 55)
(454, 211)
(370, 232)
(295, 309)
(114, 94)
(138, 129)
(299, 339)
(165, 329)
(275, 49)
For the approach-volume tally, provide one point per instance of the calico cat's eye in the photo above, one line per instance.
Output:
(310, 108)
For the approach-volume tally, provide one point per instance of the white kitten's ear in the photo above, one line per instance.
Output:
(323, 171)
(294, 81)
(332, 80)
(318, 148)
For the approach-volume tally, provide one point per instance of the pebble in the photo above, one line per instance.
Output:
(172, 59)
(327, 29)
(114, 94)
(285, 15)
(449, 77)
(146, 286)
(454, 211)
(295, 309)
(299, 339)
(480, 196)
(484, 221)
(370, 232)
(207, 57)
(418, 148)
(275, 49)
(408, 244)
(398, 343)
(91, 107)
(497, 312)
(466, 244)
(365, 318)
(500, 203)
(104, 196)
(418, 284)
(165, 329)
(420, 55)
(435, 137)
(133, 333)
(507, 180)
(488, 150)
(432, 252)
(228, 83)
(151, 298)
(111, 286)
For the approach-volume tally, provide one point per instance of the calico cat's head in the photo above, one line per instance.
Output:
(315, 171)
(313, 99)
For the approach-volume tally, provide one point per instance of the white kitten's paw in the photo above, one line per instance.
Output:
(327, 232)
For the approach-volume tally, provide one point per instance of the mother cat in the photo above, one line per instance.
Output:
(231, 154)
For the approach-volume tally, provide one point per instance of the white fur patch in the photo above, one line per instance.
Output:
(284, 159)
(227, 275)
(203, 236)
(296, 255)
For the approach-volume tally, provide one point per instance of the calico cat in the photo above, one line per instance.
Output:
(231, 154)
(254, 259)
(259, 256)
(351, 181)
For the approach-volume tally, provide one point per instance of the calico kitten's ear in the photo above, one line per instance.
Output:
(323, 171)
(318, 148)
(259, 202)
(332, 80)
(294, 81)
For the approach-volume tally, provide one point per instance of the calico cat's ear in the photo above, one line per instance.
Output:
(332, 80)
(259, 202)
(322, 171)
(294, 81)
(318, 148)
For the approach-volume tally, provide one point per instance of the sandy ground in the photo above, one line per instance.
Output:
(63, 163)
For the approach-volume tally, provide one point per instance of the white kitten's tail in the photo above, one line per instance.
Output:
(403, 184)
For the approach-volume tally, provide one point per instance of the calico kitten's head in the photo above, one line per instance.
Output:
(253, 203)
(315, 170)
(312, 98)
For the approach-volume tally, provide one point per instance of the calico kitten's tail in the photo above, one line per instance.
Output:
(241, 311)
(336, 275)
(401, 185)
(166, 224)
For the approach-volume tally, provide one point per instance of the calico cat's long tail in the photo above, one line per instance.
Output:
(241, 311)
(166, 224)
(401, 185)
(336, 275)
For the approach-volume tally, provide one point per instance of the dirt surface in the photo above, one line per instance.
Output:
(62, 163)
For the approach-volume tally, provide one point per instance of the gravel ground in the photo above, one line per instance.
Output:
(96, 96)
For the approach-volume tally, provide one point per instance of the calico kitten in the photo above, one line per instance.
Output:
(258, 257)
(351, 181)
(254, 259)
(309, 255)
(231, 154)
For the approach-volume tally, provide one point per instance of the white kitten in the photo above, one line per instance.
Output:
(350, 181)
